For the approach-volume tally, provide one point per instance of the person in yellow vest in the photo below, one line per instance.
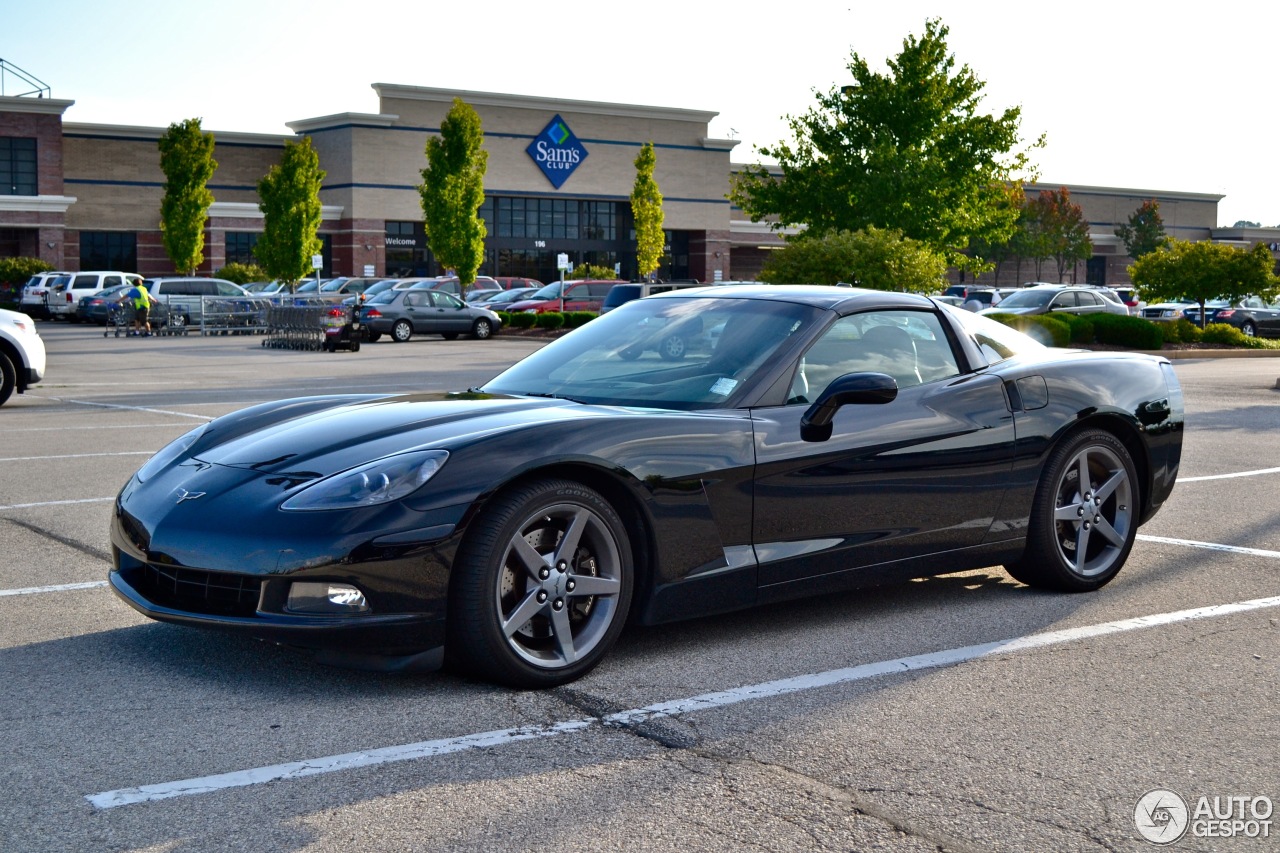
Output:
(142, 302)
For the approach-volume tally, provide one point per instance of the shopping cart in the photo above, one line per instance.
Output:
(119, 318)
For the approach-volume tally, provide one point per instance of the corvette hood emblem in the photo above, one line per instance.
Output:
(184, 495)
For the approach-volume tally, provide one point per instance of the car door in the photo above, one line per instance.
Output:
(1269, 321)
(923, 474)
(449, 313)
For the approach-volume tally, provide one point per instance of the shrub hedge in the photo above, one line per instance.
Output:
(521, 320)
(549, 320)
(574, 319)
(1125, 331)
(1046, 329)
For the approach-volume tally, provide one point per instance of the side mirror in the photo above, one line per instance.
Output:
(860, 388)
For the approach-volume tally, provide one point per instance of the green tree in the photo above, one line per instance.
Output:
(1056, 229)
(1144, 232)
(18, 270)
(186, 158)
(1202, 271)
(243, 273)
(875, 258)
(290, 202)
(591, 271)
(646, 211)
(907, 150)
(452, 191)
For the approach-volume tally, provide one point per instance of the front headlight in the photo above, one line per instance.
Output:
(170, 452)
(388, 479)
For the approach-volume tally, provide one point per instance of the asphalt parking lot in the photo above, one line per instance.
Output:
(961, 713)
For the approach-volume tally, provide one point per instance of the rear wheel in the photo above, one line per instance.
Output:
(8, 378)
(401, 331)
(1084, 518)
(370, 335)
(1249, 329)
(449, 336)
(541, 586)
(672, 347)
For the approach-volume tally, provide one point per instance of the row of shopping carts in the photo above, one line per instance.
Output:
(121, 317)
(313, 328)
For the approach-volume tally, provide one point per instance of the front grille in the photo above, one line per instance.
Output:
(200, 591)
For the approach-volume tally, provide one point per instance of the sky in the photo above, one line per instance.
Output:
(1168, 97)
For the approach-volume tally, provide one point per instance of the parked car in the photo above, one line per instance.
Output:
(97, 308)
(425, 311)
(22, 356)
(1129, 296)
(1059, 299)
(451, 284)
(65, 295)
(500, 300)
(34, 300)
(185, 297)
(978, 298)
(577, 295)
(620, 294)
(1175, 310)
(831, 439)
(1251, 315)
(511, 282)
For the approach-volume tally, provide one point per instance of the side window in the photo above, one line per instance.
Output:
(910, 346)
(111, 281)
(225, 289)
(415, 299)
(84, 282)
(600, 290)
(447, 300)
(1089, 300)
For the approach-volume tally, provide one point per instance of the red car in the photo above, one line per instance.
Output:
(583, 295)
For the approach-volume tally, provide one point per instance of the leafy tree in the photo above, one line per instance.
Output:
(1014, 246)
(452, 191)
(1202, 271)
(646, 210)
(290, 202)
(1246, 223)
(18, 270)
(591, 271)
(1144, 232)
(1056, 229)
(908, 150)
(186, 158)
(875, 258)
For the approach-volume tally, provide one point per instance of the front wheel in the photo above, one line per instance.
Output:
(8, 378)
(481, 329)
(672, 347)
(401, 331)
(541, 586)
(1084, 517)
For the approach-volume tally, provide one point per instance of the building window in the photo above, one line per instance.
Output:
(240, 247)
(17, 166)
(109, 250)
(550, 218)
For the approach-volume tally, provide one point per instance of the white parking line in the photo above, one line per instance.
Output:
(782, 687)
(133, 408)
(63, 587)
(1211, 546)
(75, 456)
(1229, 476)
(55, 503)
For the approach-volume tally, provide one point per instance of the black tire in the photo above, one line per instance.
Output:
(401, 331)
(673, 347)
(371, 336)
(1067, 550)
(8, 378)
(177, 324)
(482, 329)
(1249, 329)
(355, 343)
(552, 562)
(330, 343)
(449, 336)
(631, 353)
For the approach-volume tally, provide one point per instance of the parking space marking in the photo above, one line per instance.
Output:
(96, 427)
(75, 456)
(1210, 546)
(719, 699)
(1255, 473)
(62, 587)
(133, 408)
(55, 503)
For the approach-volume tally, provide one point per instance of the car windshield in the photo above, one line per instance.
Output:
(1027, 299)
(504, 296)
(333, 286)
(550, 291)
(383, 298)
(996, 340)
(308, 287)
(620, 357)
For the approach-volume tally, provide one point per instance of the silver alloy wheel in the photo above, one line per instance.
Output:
(401, 331)
(1094, 512)
(557, 590)
(482, 329)
(1249, 329)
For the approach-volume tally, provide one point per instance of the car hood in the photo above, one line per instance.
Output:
(325, 441)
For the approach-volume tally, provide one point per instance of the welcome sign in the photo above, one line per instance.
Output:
(557, 151)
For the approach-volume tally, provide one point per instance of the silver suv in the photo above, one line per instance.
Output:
(21, 354)
(184, 298)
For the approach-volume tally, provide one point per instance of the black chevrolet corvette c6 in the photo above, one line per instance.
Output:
(686, 454)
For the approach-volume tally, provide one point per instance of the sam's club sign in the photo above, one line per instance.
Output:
(557, 151)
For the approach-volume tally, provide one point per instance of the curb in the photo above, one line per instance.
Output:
(1173, 354)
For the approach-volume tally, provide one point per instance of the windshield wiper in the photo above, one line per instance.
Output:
(549, 396)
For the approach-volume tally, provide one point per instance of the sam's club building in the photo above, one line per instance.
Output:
(560, 173)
